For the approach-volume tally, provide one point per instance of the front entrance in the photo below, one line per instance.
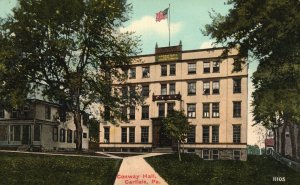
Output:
(26, 135)
(160, 138)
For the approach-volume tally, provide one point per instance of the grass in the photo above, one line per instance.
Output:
(17, 168)
(194, 170)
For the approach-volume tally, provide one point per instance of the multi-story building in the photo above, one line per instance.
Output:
(201, 83)
(39, 125)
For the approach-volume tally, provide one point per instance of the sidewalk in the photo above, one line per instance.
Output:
(135, 170)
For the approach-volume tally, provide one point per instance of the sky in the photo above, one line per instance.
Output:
(187, 19)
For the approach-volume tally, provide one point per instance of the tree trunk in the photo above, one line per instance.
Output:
(275, 139)
(77, 122)
(278, 137)
(282, 139)
(293, 143)
(178, 150)
(298, 142)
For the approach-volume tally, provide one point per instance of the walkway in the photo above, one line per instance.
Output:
(135, 170)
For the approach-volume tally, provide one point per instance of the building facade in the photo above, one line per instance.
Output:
(38, 125)
(199, 82)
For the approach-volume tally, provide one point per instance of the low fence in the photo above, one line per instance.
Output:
(292, 164)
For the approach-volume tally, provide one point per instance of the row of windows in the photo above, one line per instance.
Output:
(65, 135)
(191, 68)
(215, 110)
(210, 134)
(209, 110)
(214, 154)
(19, 132)
(212, 87)
(128, 131)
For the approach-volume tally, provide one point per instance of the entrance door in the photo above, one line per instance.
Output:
(26, 135)
(164, 140)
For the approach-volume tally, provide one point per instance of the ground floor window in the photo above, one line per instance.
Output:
(215, 154)
(191, 134)
(236, 154)
(84, 135)
(55, 134)
(69, 136)
(144, 135)
(205, 154)
(62, 135)
(36, 133)
(15, 133)
(106, 134)
(131, 134)
(3, 133)
(124, 135)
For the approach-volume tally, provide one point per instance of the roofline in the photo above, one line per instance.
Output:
(43, 101)
(184, 51)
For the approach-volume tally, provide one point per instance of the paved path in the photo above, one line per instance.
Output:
(135, 170)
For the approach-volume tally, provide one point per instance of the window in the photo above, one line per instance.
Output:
(206, 110)
(237, 65)
(206, 67)
(132, 113)
(55, 134)
(191, 88)
(84, 135)
(215, 134)
(144, 134)
(216, 66)
(131, 134)
(172, 89)
(163, 89)
(69, 136)
(236, 155)
(215, 110)
(215, 154)
(124, 92)
(236, 109)
(124, 135)
(146, 72)
(1, 112)
(191, 110)
(14, 113)
(15, 133)
(205, 154)
(106, 134)
(216, 87)
(132, 91)
(3, 133)
(205, 134)
(237, 85)
(145, 90)
(170, 107)
(236, 133)
(163, 70)
(161, 110)
(172, 69)
(206, 88)
(145, 112)
(192, 68)
(124, 113)
(36, 133)
(62, 135)
(132, 73)
(47, 112)
(191, 134)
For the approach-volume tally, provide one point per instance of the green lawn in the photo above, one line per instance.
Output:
(193, 170)
(55, 170)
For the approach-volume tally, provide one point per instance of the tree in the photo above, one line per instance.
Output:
(70, 50)
(177, 127)
(269, 31)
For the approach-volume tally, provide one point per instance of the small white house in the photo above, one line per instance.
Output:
(40, 125)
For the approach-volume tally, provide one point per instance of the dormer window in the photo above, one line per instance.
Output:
(47, 112)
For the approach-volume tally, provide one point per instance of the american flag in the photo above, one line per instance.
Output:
(161, 15)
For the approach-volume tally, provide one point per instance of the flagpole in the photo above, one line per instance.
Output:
(169, 23)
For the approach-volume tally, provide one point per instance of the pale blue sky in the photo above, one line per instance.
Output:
(187, 19)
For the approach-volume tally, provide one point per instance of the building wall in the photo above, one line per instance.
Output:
(225, 97)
